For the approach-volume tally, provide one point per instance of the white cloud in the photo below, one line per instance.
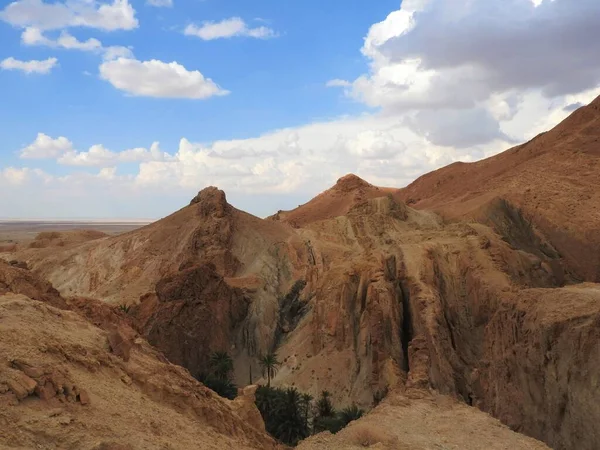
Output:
(118, 15)
(301, 159)
(34, 36)
(116, 52)
(338, 83)
(61, 149)
(160, 3)
(228, 28)
(158, 79)
(14, 176)
(99, 156)
(456, 71)
(45, 147)
(33, 66)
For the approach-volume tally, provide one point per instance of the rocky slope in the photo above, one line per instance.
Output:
(551, 182)
(65, 383)
(466, 288)
(418, 420)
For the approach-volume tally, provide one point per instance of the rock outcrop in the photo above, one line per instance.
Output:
(15, 278)
(193, 313)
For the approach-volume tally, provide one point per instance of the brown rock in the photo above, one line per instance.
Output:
(46, 392)
(187, 302)
(120, 343)
(28, 369)
(21, 385)
(84, 397)
(21, 281)
(245, 406)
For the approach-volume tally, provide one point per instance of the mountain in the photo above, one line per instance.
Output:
(468, 282)
(551, 181)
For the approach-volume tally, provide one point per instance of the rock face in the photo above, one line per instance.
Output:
(364, 288)
(194, 313)
(17, 279)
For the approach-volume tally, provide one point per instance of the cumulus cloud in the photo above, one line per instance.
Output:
(158, 79)
(455, 128)
(61, 149)
(99, 156)
(228, 28)
(434, 61)
(45, 147)
(511, 44)
(118, 15)
(300, 159)
(33, 66)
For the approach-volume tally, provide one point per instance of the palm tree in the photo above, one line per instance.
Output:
(306, 400)
(324, 405)
(291, 427)
(221, 365)
(349, 414)
(269, 365)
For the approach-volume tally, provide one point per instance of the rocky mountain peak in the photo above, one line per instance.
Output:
(211, 201)
(351, 182)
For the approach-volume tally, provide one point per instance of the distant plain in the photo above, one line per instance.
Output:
(24, 231)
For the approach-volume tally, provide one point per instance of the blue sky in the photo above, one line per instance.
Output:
(116, 108)
(275, 83)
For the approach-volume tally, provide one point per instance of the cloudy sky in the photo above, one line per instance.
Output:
(126, 108)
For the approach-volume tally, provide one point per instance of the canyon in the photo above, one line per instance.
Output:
(469, 295)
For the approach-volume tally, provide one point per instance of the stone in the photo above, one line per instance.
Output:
(84, 397)
(119, 343)
(45, 392)
(22, 386)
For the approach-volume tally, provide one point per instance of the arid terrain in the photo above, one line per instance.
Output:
(22, 233)
(471, 295)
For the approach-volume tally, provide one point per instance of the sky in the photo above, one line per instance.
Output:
(127, 108)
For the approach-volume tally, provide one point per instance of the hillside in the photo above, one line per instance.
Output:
(552, 179)
(71, 385)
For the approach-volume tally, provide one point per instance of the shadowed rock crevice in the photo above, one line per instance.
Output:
(406, 332)
(291, 310)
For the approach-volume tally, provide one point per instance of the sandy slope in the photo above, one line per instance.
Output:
(419, 420)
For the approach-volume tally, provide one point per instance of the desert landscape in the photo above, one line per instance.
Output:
(459, 312)
(22, 233)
